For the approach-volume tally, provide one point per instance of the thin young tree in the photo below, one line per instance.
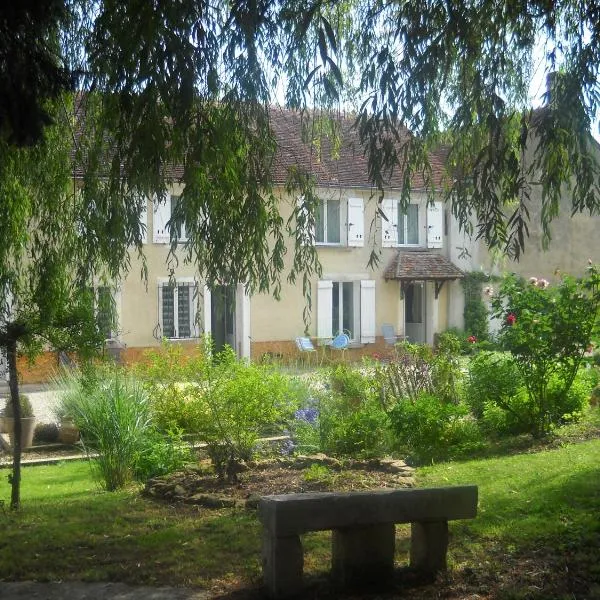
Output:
(51, 255)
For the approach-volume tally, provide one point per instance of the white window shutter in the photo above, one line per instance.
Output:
(160, 310)
(206, 311)
(160, 218)
(194, 310)
(144, 220)
(367, 311)
(242, 317)
(389, 228)
(356, 222)
(435, 225)
(324, 308)
(307, 233)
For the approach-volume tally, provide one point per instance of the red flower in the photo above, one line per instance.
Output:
(511, 319)
(471, 339)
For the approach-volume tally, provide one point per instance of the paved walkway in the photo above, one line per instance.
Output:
(95, 591)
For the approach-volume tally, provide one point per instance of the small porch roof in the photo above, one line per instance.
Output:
(421, 265)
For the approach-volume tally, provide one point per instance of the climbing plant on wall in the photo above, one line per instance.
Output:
(475, 312)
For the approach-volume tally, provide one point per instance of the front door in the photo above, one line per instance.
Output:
(222, 316)
(414, 312)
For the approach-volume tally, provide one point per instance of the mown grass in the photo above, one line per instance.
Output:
(537, 534)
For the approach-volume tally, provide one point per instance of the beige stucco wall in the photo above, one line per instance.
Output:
(283, 320)
(272, 320)
(574, 239)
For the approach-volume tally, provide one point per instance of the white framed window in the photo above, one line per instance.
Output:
(408, 225)
(346, 307)
(405, 228)
(328, 222)
(161, 220)
(177, 308)
(107, 308)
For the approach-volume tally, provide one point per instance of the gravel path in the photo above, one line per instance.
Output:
(43, 400)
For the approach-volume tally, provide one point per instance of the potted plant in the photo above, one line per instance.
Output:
(68, 432)
(27, 421)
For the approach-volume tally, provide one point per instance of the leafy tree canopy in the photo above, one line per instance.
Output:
(188, 83)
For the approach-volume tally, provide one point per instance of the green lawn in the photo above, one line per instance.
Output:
(537, 534)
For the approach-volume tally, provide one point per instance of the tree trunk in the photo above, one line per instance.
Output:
(15, 498)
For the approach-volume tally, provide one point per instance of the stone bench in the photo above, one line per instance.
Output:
(363, 532)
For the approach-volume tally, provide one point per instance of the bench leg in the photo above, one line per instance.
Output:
(282, 562)
(363, 555)
(428, 546)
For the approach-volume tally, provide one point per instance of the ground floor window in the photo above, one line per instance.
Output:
(177, 314)
(346, 307)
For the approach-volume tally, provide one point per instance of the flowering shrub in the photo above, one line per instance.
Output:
(547, 329)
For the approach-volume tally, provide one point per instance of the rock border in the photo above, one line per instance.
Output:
(170, 488)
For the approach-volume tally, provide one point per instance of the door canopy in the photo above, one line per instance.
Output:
(422, 265)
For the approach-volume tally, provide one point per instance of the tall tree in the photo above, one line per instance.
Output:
(48, 259)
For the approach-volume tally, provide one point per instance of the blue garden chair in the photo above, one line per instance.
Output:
(305, 346)
(340, 343)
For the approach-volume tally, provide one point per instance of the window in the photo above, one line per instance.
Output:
(105, 312)
(344, 309)
(162, 213)
(346, 306)
(408, 226)
(177, 309)
(328, 222)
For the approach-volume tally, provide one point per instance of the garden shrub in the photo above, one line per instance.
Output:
(406, 375)
(427, 429)
(45, 433)
(446, 374)
(475, 312)
(548, 329)
(236, 401)
(160, 454)
(352, 429)
(166, 373)
(344, 420)
(493, 378)
(415, 369)
(565, 406)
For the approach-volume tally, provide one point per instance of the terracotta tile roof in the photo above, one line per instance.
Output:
(420, 265)
(348, 169)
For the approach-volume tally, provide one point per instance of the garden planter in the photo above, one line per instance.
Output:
(68, 432)
(27, 429)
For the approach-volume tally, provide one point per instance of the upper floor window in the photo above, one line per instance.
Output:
(419, 225)
(328, 222)
(162, 214)
(337, 222)
(408, 225)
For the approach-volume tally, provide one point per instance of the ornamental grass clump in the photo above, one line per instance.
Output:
(111, 410)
